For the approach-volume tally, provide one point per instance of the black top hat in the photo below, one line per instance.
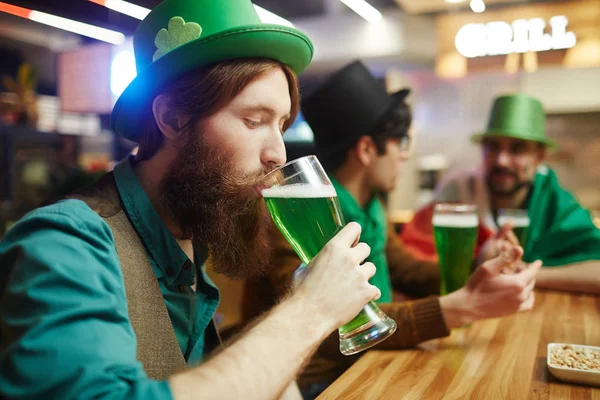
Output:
(349, 104)
(296, 150)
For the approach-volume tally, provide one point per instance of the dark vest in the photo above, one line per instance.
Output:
(157, 346)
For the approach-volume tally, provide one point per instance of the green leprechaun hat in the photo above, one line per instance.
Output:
(517, 116)
(179, 36)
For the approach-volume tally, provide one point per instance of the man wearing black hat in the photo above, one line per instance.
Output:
(361, 136)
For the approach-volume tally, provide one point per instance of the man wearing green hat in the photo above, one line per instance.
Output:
(104, 294)
(561, 233)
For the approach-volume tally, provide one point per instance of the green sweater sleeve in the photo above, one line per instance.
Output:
(65, 331)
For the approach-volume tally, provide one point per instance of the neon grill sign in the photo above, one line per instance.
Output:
(523, 35)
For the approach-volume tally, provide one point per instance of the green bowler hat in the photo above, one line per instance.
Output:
(517, 116)
(179, 36)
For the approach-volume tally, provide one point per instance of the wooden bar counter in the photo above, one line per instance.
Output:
(503, 358)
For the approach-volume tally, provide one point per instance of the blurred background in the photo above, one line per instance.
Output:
(64, 63)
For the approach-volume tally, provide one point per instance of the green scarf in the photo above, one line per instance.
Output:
(374, 233)
(561, 231)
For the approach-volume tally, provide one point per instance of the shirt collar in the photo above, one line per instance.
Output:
(158, 240)
(350, 207)
(371, 217)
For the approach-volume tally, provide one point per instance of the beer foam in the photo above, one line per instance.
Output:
(456, 220)
(521, 221)
(300, 191)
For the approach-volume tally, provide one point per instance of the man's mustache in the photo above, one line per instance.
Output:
(504, 171)
(270, 178)
(246, 182)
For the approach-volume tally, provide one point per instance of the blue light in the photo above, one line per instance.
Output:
(122, 71)
(300, 131)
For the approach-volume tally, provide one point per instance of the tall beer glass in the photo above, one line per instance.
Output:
(519, 219)
(455, 231)
(305, 208)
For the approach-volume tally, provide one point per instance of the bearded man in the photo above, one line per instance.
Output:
(514, 175)
(104, 294)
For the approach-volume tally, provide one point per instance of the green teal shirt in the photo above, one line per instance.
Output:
(64, 327)
(374, 233)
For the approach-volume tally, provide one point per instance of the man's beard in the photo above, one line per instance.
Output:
(506, 192)
(218, 208)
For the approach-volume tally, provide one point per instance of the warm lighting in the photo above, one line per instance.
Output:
(478, 6)
(364, 9)
(95, 32)
(586, 54)
(451, 66)
(15, 10)
(511, 64)
(455, 1)
(139, 12)
(530, 61)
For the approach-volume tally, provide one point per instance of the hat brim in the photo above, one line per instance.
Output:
(478, 137)
(400, 95)
(396, 99)
(287, 45)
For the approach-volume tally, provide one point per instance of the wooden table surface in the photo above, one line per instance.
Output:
(502, 358)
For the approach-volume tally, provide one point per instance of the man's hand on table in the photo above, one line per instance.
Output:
(493, 290)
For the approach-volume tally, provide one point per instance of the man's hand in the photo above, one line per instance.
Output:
(336, 286)
(490, 293)
(264, 362)
(491, 248)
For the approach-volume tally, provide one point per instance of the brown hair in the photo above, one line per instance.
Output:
(205, 91)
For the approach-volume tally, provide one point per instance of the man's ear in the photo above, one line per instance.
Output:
(166, 118)
(366, 150)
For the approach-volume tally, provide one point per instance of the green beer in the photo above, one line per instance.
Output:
(304, 206)
(309, 217)
(520, 225)
(455, 237)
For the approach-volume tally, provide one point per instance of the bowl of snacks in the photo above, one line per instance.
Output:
(574, 363)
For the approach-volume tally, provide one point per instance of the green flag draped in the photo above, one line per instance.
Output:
(561, 231)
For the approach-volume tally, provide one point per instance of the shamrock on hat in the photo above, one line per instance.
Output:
(180, 36)
(179, 32)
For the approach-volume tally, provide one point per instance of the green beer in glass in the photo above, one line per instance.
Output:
(455, 229)
(304, 206)
(519, 220)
